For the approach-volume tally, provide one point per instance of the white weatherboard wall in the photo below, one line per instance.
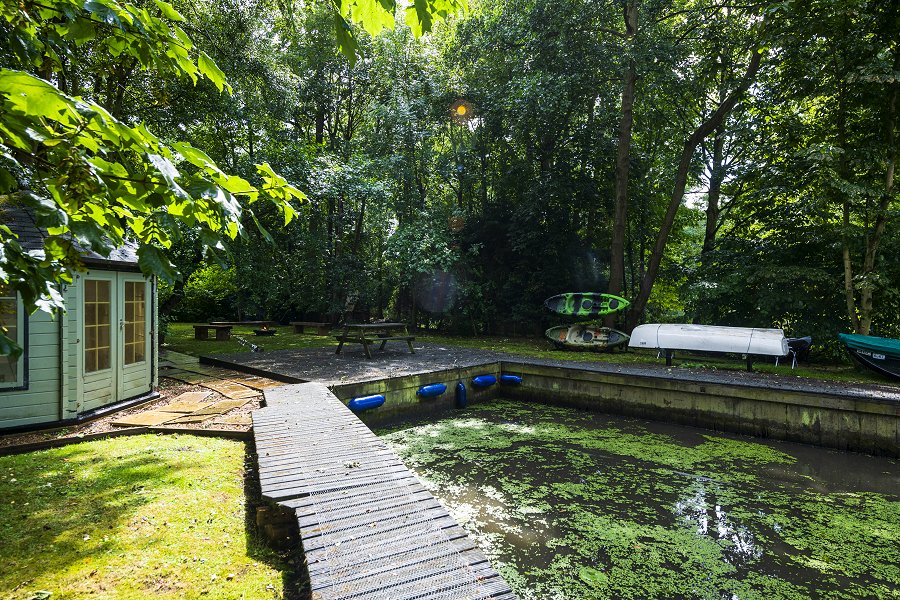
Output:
(41, 401)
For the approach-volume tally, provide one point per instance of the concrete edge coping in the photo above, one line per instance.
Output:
(653, 378)
(61, 442)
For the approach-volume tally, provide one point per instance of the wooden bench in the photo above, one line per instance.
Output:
(246, 323)
(223, 332)
(320, 328)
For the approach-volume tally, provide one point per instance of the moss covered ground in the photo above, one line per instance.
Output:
(135, 517)
(570, 504)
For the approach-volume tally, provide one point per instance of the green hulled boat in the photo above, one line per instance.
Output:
(585, 337)
(878, 353)
(586, 304)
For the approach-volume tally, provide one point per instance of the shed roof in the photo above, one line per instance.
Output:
(21, 222)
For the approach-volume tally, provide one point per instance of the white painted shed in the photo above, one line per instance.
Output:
(100, 354)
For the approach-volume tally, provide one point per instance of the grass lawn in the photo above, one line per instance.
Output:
(134, 517)
(180, 338)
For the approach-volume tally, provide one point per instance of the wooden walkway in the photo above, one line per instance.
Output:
(369, 528)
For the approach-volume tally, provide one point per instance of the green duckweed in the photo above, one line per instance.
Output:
(573, 504)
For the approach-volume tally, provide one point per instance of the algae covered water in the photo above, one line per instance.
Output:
(574, 504)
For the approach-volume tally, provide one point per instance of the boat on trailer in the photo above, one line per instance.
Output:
(879, 354)
(750, 341)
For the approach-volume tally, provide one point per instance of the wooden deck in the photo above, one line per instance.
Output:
(369, 528)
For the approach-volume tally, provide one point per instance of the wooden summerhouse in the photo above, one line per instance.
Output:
(99, 355)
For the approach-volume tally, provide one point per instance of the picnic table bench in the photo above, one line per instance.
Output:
(321, 328)
(223, 332)
(372, 333)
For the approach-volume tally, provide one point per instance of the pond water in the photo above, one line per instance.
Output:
(574, 504)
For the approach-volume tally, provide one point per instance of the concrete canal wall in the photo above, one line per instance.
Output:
(856, 423)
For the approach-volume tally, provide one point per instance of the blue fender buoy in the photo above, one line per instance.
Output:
(462, 400)
(430, 391)
(484, 381)
(365, 403)
(510, 378)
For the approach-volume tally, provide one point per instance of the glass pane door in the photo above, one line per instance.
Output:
(135, 322)
(97, 325)
(9, 323)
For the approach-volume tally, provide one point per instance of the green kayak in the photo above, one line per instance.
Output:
(586, 304)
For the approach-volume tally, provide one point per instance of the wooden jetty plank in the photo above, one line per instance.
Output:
(368, 526)
(312, 472)
(311, 544)
(407, 552)
(355, 463)
(362, 530)
(318, 559)
(354, 520)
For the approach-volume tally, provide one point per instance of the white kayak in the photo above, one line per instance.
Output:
(710, 338)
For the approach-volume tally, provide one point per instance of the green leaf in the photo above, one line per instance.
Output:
(346, 40)
(168, 11)
(265, 233)
(212, 71)
(152, 261)
(32, 96)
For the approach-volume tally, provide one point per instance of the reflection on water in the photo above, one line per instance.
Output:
(572, 504)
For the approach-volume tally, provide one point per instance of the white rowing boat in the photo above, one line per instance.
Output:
(710, 338)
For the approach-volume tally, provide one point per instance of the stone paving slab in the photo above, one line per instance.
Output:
(144, 419)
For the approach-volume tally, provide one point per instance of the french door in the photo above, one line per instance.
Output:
(116, 321)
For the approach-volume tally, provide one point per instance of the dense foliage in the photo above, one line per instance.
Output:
(729, 164)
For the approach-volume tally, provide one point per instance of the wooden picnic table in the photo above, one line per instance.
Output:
(372, 333)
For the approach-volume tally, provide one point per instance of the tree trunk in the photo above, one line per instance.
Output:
(874, 240)
(623, 161)
(320, 124)
(357, 234)
(717, 175)
(681, 176)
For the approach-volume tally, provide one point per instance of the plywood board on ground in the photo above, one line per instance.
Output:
(221, 407)
(187, 402)
(189, 419)
(258, 383)
(230, 389)
(234, 420)
(187, 376)
(150, 417)
(178, 357)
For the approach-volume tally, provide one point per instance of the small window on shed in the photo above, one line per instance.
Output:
(11, 322)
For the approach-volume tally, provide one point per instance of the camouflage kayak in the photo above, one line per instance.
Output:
(586, 304)
(585, 337)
